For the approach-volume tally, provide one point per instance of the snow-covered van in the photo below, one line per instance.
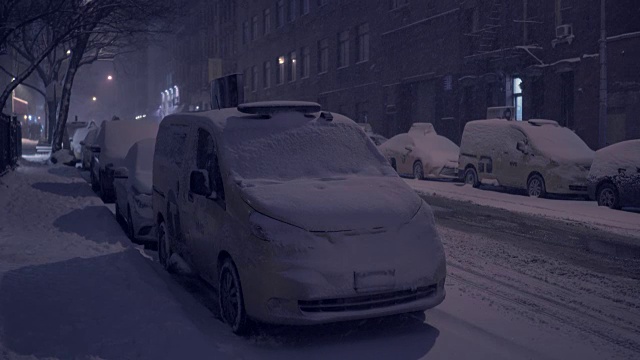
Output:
(294, 215)
(614, 179)
(537, 155)
(133, 184)
(112, 144)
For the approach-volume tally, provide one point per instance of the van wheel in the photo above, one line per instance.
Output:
(608, 196)
(230, 298)
(535, 186)
(164, 246)
(471, 177)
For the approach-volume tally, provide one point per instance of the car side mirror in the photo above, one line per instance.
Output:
(121, 173)
(199, 183)
(522, 147)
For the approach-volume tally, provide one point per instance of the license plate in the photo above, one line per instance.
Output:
(376, 280)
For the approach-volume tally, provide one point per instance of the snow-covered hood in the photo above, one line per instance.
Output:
(336, 204)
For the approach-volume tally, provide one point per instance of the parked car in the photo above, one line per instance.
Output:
(539, 156)
(376, 138)
(294, 215)
(114, 140)
(78, 136)
(85, 147)
(133, 187)
(422, 153)
(614, 179)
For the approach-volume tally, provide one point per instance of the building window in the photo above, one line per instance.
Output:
(517, 98)
(304, 62)
(266, 74)
(254, 28)
(343, 49)
(322, 2)
(304, 7)
(323, 56)
(292, 10)
(266, 15)
(292, 66)
(363, 42)
(280, 70)
(394, 4)
(245, 32)
(254, 78)
(280, 13)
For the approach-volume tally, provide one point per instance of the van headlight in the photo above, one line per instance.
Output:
(270, 229)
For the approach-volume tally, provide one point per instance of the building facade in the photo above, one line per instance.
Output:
(391, 63)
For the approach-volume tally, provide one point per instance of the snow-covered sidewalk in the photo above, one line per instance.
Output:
(586, 213)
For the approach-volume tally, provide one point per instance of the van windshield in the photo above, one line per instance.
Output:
(313, 150)
(559, 143)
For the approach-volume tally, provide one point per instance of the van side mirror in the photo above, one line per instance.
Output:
(199, 183)
(522, 147)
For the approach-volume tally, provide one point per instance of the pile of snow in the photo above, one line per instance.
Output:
(291, 146)
(63, 156)
(139, 163)
(116, 138)
(623, 155)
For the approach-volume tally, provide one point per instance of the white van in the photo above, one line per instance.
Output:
(537, 155)
(294, 215)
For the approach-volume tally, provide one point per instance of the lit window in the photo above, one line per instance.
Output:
(292, 66)
(517, 98)
(280, 70)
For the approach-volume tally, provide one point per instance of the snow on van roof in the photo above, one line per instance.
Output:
(116, 138)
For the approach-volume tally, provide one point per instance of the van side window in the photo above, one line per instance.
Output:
(207, 159)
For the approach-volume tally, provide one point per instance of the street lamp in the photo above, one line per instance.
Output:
(109, 77)
(94, 98)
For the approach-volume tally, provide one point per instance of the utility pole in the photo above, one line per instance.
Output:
(602, 121)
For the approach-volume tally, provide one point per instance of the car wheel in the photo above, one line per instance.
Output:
(608, 196)
(130, 230)
(535, 186)
(164, 246)
(471, 177)
(418, 170)
(230, 298)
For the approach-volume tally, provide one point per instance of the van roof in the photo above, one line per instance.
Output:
(281, 114)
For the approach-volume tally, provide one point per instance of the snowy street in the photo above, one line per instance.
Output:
(519, 286)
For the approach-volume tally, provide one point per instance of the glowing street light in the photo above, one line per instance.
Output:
(109, 77)
(94, 98)
(68, 52)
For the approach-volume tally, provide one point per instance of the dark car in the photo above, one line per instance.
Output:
(614, 178)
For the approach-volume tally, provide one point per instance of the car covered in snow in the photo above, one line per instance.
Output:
(422, 153)
(85, 147)
(112, 144)
(537, 155)
(614, 179)
(78, 137)
(294, 215)
(133, 188)
(376, 138)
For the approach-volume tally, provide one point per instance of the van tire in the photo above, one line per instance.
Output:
(536, 187)
(231, 299)
(418, 170)
(164, 246)
(607, 195)
(471, 177)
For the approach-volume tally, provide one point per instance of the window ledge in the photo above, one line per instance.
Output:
(343, 67)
